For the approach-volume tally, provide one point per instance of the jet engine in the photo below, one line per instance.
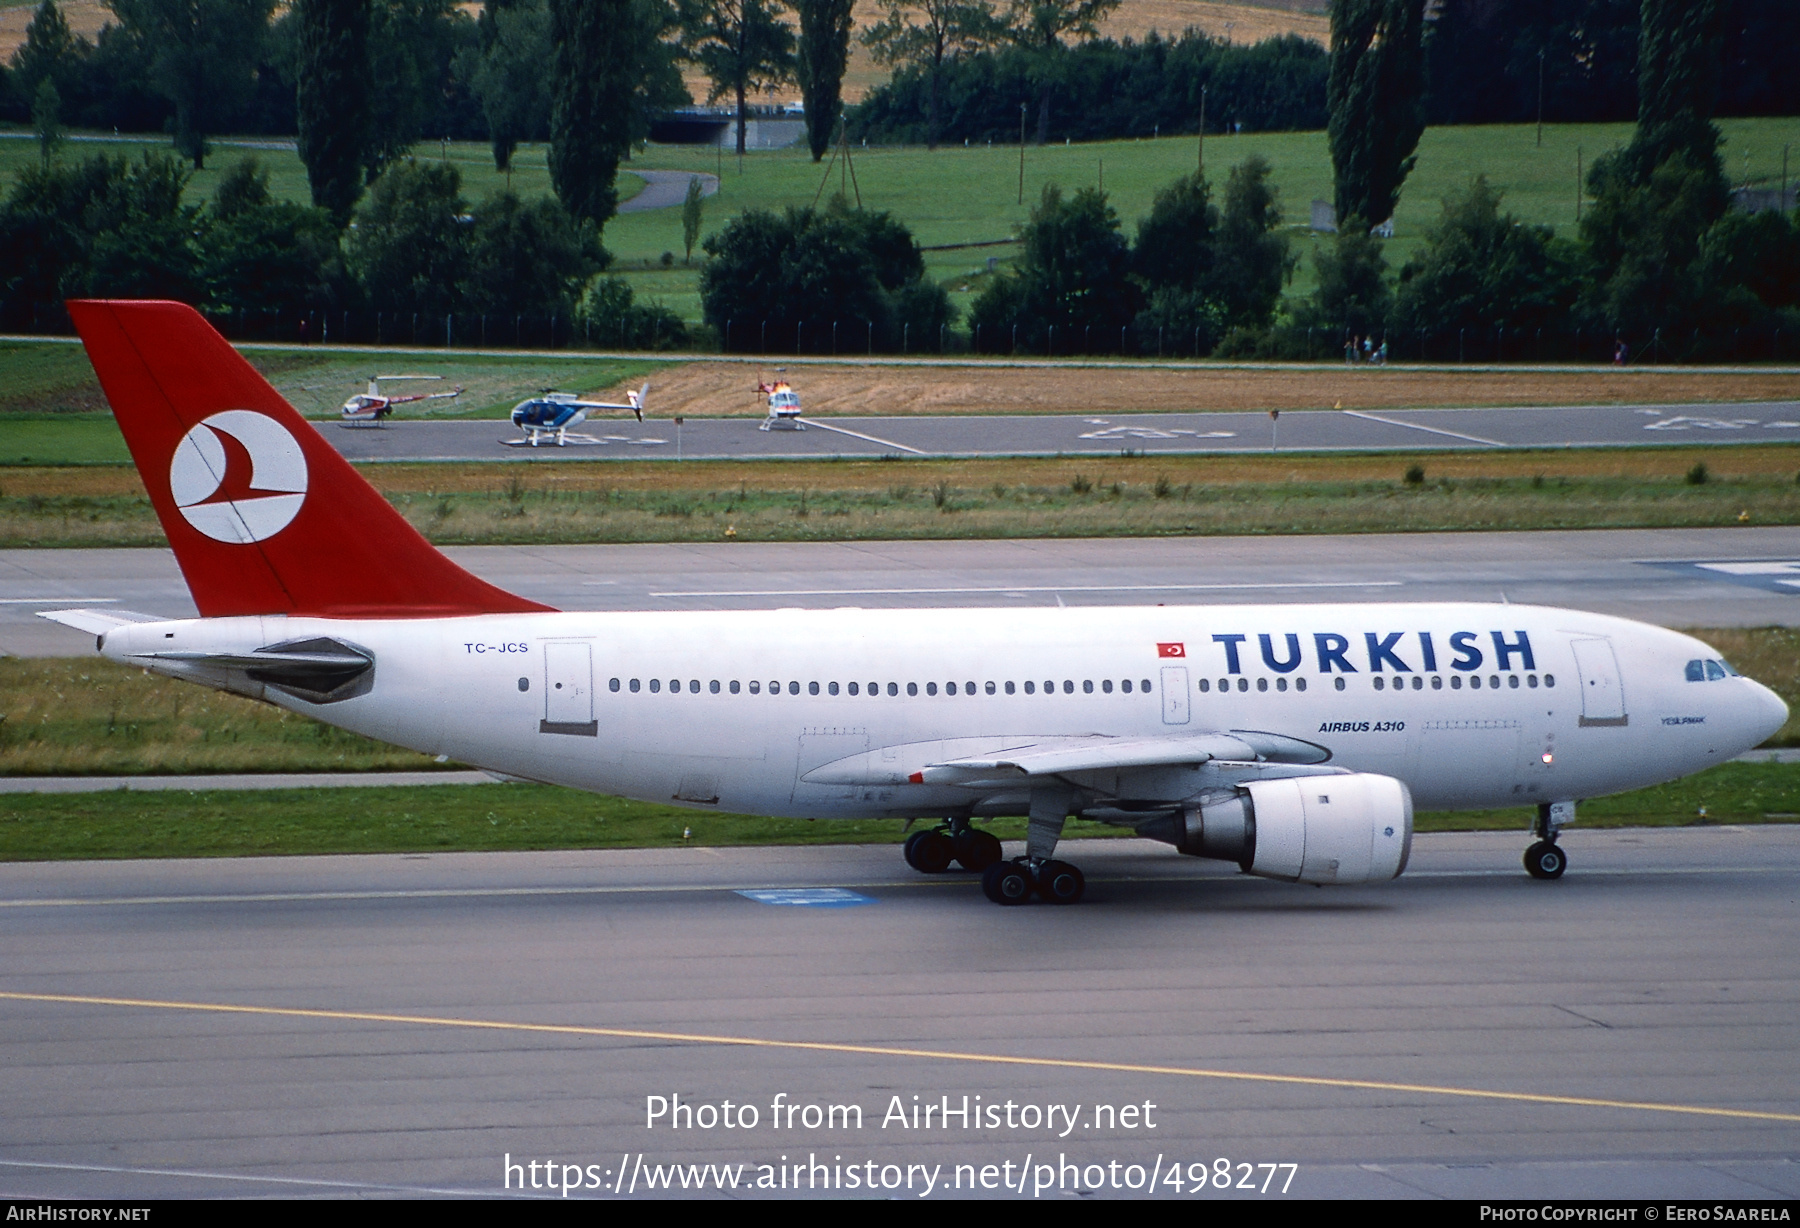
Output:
(1351, 828)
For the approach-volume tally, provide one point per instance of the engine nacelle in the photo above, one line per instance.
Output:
(1350, 828)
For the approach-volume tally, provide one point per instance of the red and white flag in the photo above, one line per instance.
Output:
(1171, 650)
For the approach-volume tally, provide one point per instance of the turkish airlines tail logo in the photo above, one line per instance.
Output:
(238, 477)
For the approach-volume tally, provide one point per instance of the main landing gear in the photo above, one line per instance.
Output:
(1054, 882)
(1545, 858)
(932, 851)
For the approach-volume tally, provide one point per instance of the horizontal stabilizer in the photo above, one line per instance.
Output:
(97, 622)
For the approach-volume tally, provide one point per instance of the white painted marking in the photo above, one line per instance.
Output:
(1764, 567)
(886, 443)
(807, 897)
(1047, 588)
(259, 1180)
(1357, 413)
(59, 600)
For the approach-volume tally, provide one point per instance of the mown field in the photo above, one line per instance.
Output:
(1126, 495)
(965, 195)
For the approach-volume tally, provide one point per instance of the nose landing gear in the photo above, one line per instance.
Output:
(1545, 858)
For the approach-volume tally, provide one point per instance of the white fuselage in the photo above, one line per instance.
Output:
(1473, 706)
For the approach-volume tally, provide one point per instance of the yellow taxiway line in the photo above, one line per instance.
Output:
(942, 1055)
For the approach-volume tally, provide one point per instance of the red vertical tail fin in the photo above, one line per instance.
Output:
(264, 516)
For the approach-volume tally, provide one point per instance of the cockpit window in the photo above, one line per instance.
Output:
(1696, 671)
(1714, 670)
(1729, 670)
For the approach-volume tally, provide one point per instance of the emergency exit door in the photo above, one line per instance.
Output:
(1175, 694)
(569, 690)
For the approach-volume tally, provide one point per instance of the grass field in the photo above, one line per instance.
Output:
(1131, 496)
(958, 195)
(467, 818)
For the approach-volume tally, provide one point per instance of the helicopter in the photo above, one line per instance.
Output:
(369, 408)
(550, 414)
(784, 406)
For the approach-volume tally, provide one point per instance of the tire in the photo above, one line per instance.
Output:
(1006, 882)
(911, 845)
(978, 850)
(1545, 860)
(929, 852)
(1058, 882)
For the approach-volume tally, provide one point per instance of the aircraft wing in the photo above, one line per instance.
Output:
(1005, 761)
(97, 622)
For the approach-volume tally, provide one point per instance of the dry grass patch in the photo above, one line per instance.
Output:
(712, 389)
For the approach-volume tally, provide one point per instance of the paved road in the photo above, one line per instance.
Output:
(665, 189)
(1393, 430)
(1676, 577)
(1661, 972)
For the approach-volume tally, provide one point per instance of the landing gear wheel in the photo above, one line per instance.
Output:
(977, 850)
(929, 852)
(1060, 883)
(1006, 882)
(1545, 860)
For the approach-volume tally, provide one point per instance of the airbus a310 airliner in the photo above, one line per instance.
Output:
(1294, 740)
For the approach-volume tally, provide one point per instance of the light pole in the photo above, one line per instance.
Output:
(1021, 153)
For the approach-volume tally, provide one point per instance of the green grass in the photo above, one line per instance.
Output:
(471, 818)
(1137, 496)
(67, 439)
(960, 195)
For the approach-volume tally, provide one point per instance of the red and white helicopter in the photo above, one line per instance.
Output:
(549, 415)
(369, 408)
(784, 406)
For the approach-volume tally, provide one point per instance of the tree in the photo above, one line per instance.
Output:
(824, 53)
(1251, 261)
(741, 45)
(203, 57)
(527, 259)
(46, 118)
(693, 212)
(942, 30)
(331, 96)
(609, 316)
(859, 269)
(1377, 77)
(413, 46)
(1175, 243)
(1072, 276)
(603, 48)
(1481, 269)
(409, 250)
(263, 256)
(1353, 291)
(507, 75)
(50, 52)
(1040, 26)
(1656, 198)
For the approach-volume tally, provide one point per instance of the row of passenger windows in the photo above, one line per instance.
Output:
(1494, 682)
(1126, 686)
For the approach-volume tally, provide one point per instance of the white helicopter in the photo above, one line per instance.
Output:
(549, 415)
(369, 408)
(784, 406)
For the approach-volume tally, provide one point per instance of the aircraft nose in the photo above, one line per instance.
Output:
(1771, 712)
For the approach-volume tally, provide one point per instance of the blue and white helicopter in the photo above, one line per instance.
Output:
(549, 415)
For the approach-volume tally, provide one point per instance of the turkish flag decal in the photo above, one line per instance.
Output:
(1171, 650)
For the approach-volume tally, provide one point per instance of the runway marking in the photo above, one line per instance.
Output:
(1415, 426)
(59, 600)
(1024, 588)
(1221, 878)
(886, 443)
(941, 1055)
(260, 1180)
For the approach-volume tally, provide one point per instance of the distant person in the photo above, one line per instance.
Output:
(1381, 354)
(1350, 352)
(1621, 353)
(1368, 349)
